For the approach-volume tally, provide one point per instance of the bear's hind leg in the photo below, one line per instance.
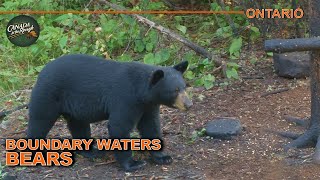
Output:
(149, 127)
(41, 120)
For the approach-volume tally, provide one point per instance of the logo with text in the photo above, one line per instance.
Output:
(23, 30)
(275, 13)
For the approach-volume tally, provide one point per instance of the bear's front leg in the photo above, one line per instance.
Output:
(120, 128)
(149, 127)
(126, 161)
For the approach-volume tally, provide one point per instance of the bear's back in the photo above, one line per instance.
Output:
(89, 74)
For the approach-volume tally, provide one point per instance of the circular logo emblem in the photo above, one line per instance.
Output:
(23, 30)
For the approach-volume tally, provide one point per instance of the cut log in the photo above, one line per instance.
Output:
(291, 45)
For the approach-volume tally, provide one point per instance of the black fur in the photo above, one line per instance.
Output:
(86, 89)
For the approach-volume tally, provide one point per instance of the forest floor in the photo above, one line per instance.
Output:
(255, 154)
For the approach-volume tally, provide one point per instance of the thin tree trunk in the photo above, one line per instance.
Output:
(315, 75)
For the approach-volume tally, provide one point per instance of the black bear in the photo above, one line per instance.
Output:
(85, 89)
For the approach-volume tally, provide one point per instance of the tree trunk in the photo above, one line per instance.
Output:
(315, 75)
(311, 136)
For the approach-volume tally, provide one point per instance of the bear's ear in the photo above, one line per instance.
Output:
(156, 76)
(182, 67)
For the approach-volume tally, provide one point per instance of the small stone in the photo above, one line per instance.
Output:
(292, 65)
(9, 177)
(223, 128)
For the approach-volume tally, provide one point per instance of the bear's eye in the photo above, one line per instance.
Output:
(177, 89)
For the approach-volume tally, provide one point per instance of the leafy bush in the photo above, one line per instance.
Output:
(118, 37)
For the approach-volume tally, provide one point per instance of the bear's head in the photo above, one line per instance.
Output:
(169, 88)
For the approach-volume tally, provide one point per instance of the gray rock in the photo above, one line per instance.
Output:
(9, 177)
(292, 65)
(223, 128)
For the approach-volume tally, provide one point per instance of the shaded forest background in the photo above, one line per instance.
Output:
(123, 38)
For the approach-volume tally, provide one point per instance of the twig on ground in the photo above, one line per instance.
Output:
(135, 176)
(274, 92)
(252, 77)
(105, 163)
(15, 92)
(5, 113)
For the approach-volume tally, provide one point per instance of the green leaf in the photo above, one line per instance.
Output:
(34, 49)
(255, 34)
(139, 46)
(83, 49)
(149, 47)
(209, 77)
(61, 18)
(149, 58)
(224, 32)
(181, 28)
(39, 68)
(127, 19)
(125, 57)
(270, 54)
(63, 42)
(31, 70)
(157, 58)
(165, 55)
(152, 38)
(215, 6)
(109, 26)
(208, 81)
(233, 65)
(199, 82)
(235, 47)
(255, 29)
(178, 18)
(189, 75)
(232, 73)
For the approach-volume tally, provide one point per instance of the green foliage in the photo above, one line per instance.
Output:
(232, 70)
(157, 58)
(118, 37)
(196, 134)
(235, 48)
(181, 28)
(199, 72)
(234, 43)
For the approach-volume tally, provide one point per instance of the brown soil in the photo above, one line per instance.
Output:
(255, 154)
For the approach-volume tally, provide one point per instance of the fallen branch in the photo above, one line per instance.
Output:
(5, 113)
(292, 45)
(275, 92)
(163, 30)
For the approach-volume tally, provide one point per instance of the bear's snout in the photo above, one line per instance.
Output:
(182, 101)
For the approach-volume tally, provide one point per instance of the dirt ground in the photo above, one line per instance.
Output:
(255, 154)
